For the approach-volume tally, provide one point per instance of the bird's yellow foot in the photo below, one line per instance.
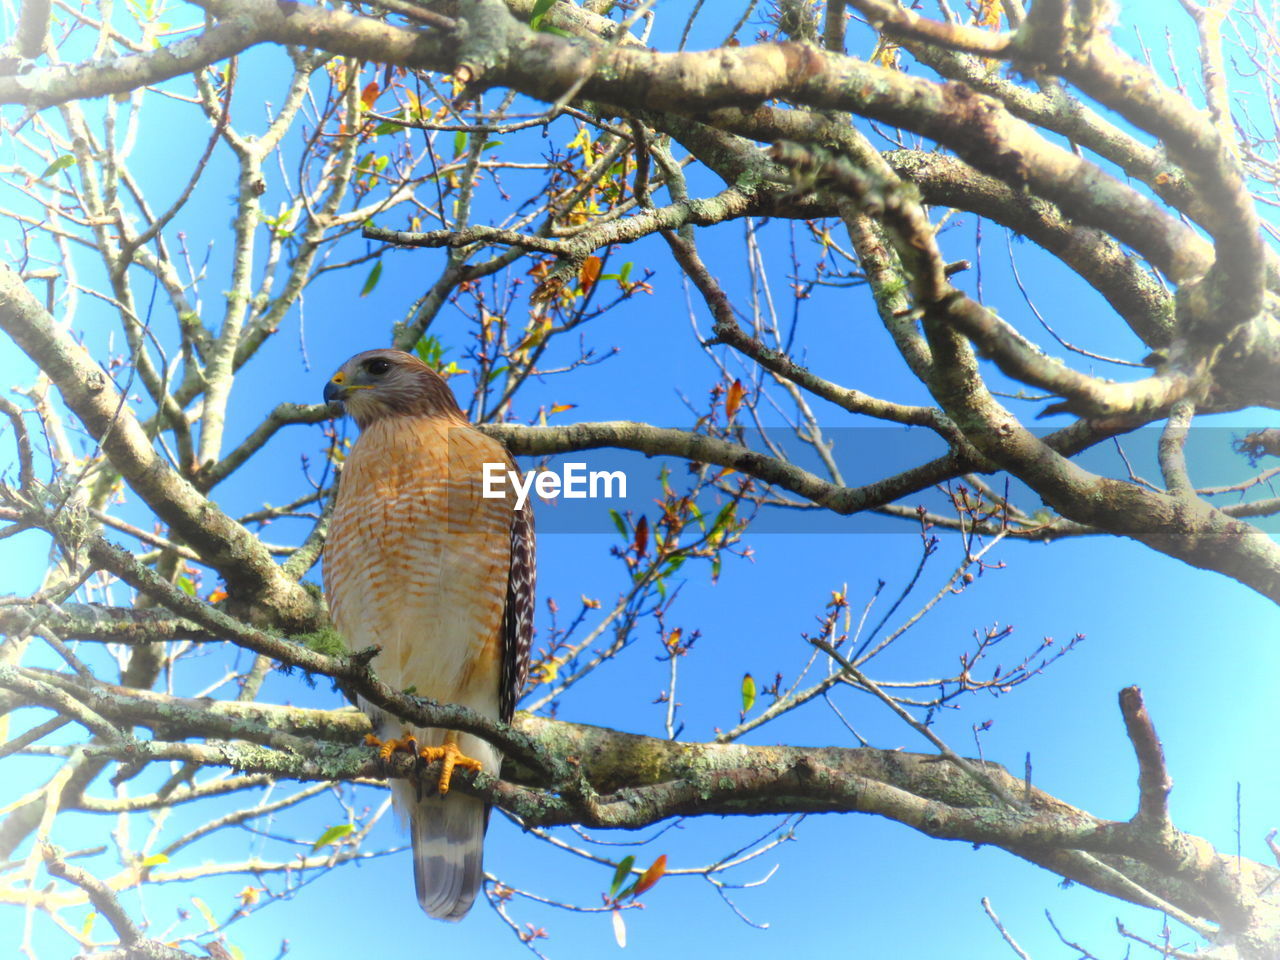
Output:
(387, 747)
(449, 756)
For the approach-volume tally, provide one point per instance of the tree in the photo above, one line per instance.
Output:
(538, 143)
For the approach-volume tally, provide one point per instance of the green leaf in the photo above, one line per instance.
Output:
(492, 145)
(696, 512)
(58, 165)
(540, 9)
(88, 925)
(625, 272)
(623, 871)
(430, 350)
(385, 127)
(371, 281)
(333, 834)
(460, 142)
(723, 519)
(187, 586)
(619, 523)
(748, 693)
(205, 912)
(155, 860)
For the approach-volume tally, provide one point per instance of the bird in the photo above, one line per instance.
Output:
(420, 563)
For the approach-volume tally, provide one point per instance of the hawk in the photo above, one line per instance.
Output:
(439, 577)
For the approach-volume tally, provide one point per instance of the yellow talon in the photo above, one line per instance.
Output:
(387, 747)
(449, 756)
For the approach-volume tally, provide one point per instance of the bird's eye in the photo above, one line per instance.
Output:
(378, 366)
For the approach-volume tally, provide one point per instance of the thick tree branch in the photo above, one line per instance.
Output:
(33, 27)
(544, 66)
(133, 944)
(635, 781)
(1154, 782)
(233, 551)
(1237, 281)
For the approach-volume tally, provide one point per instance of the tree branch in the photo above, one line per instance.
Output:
(242, 560)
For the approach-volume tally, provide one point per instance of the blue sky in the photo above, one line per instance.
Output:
(1201, 647)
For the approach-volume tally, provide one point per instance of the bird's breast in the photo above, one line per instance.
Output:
(417, 559)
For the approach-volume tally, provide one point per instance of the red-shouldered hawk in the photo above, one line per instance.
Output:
(441, 578)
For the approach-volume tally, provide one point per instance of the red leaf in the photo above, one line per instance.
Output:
(368, 95)
(642, 536)
(651, 876)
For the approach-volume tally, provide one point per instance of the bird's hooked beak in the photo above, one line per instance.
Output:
(340, 387)
(335, 389)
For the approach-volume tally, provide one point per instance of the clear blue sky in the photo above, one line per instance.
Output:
(1202, 647)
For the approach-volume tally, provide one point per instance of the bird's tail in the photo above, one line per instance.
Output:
(448, 836)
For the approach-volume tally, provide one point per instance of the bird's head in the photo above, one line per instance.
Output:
(389, 383)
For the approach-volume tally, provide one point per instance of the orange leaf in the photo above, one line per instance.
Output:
(588, 273)
(218, 595)
(561, 407)
(651, 876)
(547, 291)
(642, 536)
(368, 95)
(734, 400)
